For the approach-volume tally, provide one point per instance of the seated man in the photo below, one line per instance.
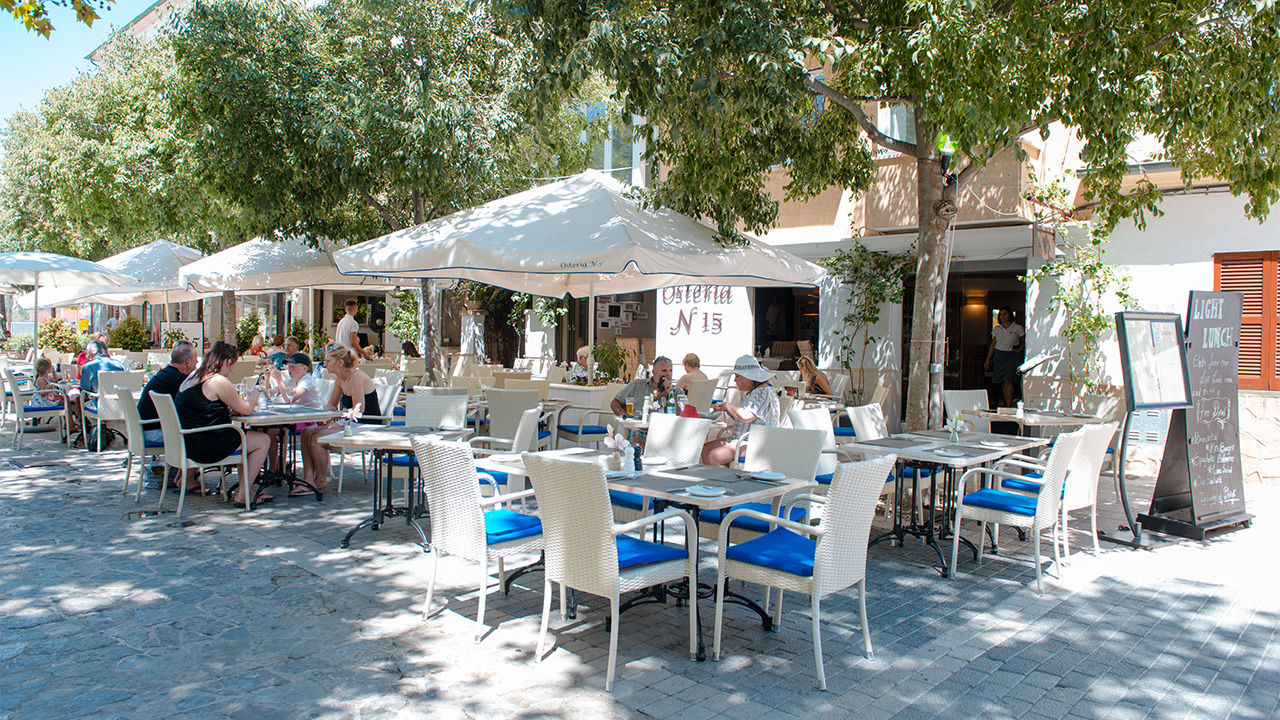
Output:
(97, 360)
(658, 385)
(182, 362)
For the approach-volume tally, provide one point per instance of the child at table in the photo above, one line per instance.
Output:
(48, 394)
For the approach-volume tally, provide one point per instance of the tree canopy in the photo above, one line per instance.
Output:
(34, 14)
(732, 88)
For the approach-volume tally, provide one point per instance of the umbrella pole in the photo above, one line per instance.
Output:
(591, 331)
(35, 326)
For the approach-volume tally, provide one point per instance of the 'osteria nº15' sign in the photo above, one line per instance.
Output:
(711, 321)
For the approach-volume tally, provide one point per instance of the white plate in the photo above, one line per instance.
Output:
(618, 474)
(704, 491)
(654, 460)
(942, 452)
(768, 475)
(504, 457)
(994, 443)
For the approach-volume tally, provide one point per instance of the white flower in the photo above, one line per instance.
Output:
(615, 440)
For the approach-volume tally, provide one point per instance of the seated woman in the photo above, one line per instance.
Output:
(815, 381)
(256, 346)
(692, 371)
(353, 392)
(759, 406)
(207, 398)
(409, 349)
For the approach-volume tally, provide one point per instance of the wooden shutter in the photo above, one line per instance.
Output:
(1255, 276)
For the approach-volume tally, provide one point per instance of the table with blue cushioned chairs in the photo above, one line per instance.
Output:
(934, 449)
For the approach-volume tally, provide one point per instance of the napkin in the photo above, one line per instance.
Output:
(689, 411)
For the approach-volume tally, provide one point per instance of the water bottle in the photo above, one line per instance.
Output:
(671, 402)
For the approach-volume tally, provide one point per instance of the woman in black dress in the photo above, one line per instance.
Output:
(353, 393)
(208, 398)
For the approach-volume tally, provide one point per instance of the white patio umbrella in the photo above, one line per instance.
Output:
(36, 268)
(261, 265)
(156, 266)
(569, 236)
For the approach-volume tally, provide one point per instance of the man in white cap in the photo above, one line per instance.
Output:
(759, 407)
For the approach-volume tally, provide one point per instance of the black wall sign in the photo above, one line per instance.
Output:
(1200, 481)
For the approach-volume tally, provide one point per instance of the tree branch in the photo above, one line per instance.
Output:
(868, 127)
(382, 210)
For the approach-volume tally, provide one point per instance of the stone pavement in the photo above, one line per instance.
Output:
(106, 613)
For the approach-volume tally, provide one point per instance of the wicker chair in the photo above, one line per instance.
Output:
(956, 402)
(794, 453)
(387, 397)
(138, 445)
(869, 424)
(461, 526)
(436, 410)
(175, 452)
(101, 406)
(700, 393)
(22, 412)
(1035, 513)
(834, 559)
(679, 440)
(1080, 489)
(586, 551)
(584, 431)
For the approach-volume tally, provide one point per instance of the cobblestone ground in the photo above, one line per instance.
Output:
(107, 613)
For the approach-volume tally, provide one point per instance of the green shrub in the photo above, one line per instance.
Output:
(20, 343)
(610, 358)
(58, 334)
(172, 337)
(319, 339)
(130, 334)
(246, 330)
(298, 331)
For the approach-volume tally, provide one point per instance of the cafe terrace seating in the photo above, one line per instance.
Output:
(956, 402)
(1080, 489)
(175, 452)
(1035, 513)
(26, 416)
(587, 430)
(460, 523)
(101, 406)
(138, 446)
(815, 560)
(586, 551)
(679, 440)
(794, 453)
(388, 395)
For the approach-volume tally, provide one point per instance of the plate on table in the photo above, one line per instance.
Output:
(705, 491)
(994, 443)
(654, 460)
(619, 474)
(767, 475)
(504, 457)
(943, 452)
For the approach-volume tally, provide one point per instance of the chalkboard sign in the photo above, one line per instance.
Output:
(1200, 483)
(1154, 360)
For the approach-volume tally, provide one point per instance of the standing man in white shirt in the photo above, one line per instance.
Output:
(347, 333)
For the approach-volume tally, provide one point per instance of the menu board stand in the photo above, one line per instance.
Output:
(1153, 361)
(1200, 485)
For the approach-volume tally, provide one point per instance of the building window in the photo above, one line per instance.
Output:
(898, 122)
(1255, 276)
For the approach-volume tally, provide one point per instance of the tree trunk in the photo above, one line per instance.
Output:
(229, 317)
(429, 332)
(936, 207)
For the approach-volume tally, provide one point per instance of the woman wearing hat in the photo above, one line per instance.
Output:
(759, 406)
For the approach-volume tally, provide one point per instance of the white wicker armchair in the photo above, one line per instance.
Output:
(586, 551)
(138, 445)
(175, 452)
(461, 526)
(679, 440)
(815, 560)
(1035, 513)
(956, 402)
(23, 412)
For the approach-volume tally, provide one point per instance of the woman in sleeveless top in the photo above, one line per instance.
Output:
(207, 398)
(349, 382)
(815, 381)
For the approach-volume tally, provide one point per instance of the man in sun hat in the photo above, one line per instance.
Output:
(759, 407)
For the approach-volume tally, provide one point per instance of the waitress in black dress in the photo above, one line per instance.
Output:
(207, 398)
(353, 393)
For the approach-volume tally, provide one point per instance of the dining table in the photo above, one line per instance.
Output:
(386, 442)
(1034, 421)
(281, 417)
(941, 453)
(694, 488)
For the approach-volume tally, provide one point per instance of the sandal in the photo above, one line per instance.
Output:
(300, 489)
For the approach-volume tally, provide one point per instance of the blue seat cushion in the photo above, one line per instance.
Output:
(634, 501)
(1025, 486)
(403, 460)
(1003, 501)
(398, 411)
(749, 523)
(633, 552)
(843, 431)
(503, 525)
(586, 429)
(150, 444)
(498, 476)
(37, 408)
(825, 478)
(780, 549)
(909, 471)
(397, 422)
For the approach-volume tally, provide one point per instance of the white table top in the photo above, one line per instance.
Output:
(381, 437)
(283, 414)
(973, 448)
